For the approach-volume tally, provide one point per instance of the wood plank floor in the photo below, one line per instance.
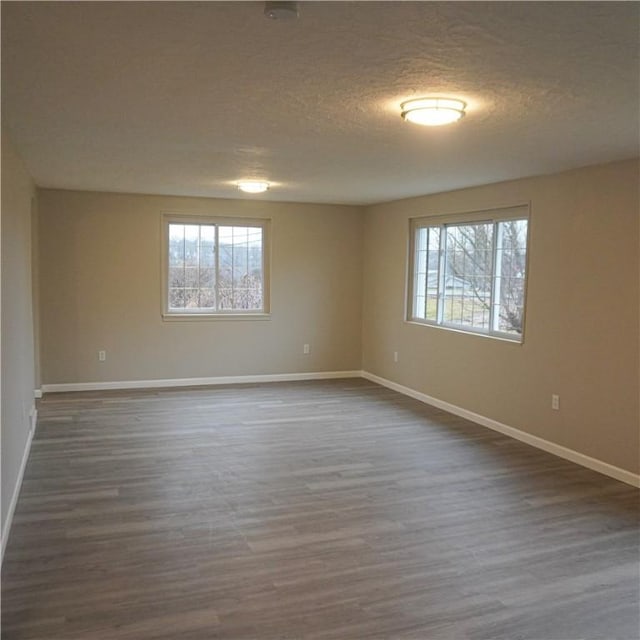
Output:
(311, 510)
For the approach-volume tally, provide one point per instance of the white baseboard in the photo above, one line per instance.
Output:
(540, 443)
(16, 490)
(196, 382)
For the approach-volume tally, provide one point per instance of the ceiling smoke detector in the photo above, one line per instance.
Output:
(281, 10)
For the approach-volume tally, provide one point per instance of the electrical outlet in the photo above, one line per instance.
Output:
(395, 356)
(102, 356)
(555, 402)
(306, 349)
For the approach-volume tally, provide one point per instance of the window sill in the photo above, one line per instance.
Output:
(479, 334)
(207, 317)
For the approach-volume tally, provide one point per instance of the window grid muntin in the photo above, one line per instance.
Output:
(456, 289)
(496, 287)
(233, 288)
(255, 231)
(493, 323)
(192, 268)
(515, 283)
(420, 273)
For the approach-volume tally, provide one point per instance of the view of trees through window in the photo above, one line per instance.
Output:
(471, 275)
(215, 268)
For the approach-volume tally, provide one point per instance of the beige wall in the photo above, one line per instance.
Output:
(581, 335)
(100, 288)
(17, 350)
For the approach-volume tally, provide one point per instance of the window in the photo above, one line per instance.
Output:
(215, 267)
(468, 272)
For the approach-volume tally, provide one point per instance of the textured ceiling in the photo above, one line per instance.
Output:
(186, 98)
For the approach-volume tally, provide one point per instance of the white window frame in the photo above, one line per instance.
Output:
(230, 314)
(492, 216)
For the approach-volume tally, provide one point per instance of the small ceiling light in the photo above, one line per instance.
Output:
(281, 10)
(253, 186)
(433, 112)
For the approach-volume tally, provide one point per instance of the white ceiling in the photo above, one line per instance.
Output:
(185, 98)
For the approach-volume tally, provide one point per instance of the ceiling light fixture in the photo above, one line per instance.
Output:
(281, 10)
(253, 186)
(433, 112)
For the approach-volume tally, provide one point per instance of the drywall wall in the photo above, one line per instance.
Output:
(581, 335)
(18, 366)
(100, 289)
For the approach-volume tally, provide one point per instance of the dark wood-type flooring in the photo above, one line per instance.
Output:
(312, 510)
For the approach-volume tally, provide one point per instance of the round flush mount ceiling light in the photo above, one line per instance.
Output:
(253, 186)
(433, 112)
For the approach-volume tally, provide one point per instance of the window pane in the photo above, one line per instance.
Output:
(191, 277)
(255, 276)
(176, 298)
(176, 245)
(467, 277)
(176, 277)
(511, 260)
(426, 273)
(240, 257)
(207, 299)
(433, 273)
(225, 298)
(207, 278)
(420, 280)
(254, 298)
(191, 300)
(207, 245)
(240, 274)
(225, 251)
(191, 242)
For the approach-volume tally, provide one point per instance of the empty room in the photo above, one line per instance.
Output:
(320, 320)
